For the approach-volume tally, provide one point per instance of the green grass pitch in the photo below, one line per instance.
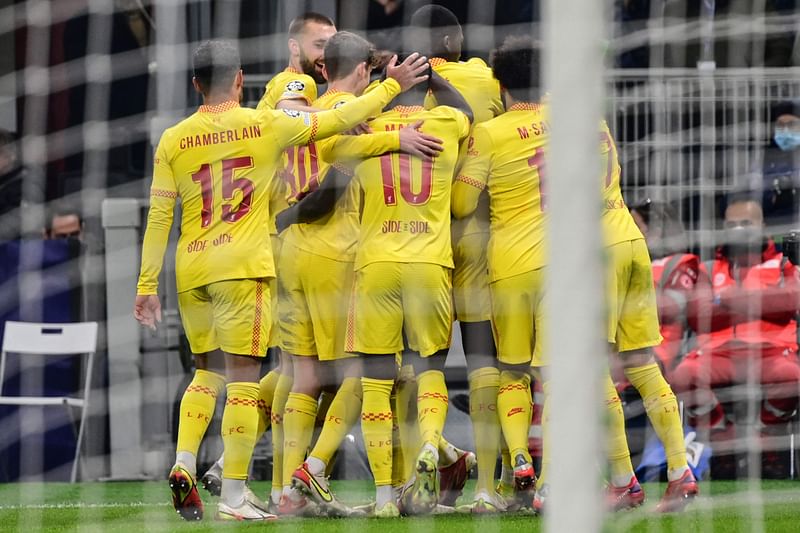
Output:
(144, 507)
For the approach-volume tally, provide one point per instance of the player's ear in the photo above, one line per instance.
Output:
(294, 47)
(325, 72)
(197, 86)
(239, 79)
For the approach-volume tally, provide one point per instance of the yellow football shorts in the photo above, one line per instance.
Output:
(517, 318)
(471, 295)
(275, 330)
(390, 299)
(233, 315)
(631, 297)
(313, 299)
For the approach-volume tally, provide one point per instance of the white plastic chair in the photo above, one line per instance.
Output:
(28, 338)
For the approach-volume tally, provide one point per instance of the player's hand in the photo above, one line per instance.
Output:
(416, 143)
(359, 130)
(147, 310)
(410, 72)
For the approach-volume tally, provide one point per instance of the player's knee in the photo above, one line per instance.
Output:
(477, 361)
(515, 371)
(421, 364)
(636, 358)
(379, 366)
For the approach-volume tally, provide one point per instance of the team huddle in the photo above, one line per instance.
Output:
(346, 232)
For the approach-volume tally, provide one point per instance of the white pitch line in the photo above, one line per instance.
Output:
(79, 505)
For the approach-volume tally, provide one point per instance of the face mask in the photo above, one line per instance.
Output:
(786, 139)
(742, 241)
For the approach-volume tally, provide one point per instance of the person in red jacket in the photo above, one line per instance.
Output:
(744, 312)
(674, 273)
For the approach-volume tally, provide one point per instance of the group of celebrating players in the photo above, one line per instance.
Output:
(392, 207)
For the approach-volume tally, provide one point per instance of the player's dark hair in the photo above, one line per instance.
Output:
(344, 51)
(516, 65)
(298, 24)
(430, 24)
(215, 64)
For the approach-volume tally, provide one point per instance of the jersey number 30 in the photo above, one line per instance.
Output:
(412, 198)
(205, 178)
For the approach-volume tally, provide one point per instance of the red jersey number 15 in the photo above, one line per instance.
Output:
(205, 178)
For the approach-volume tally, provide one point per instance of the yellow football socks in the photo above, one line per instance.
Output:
(282, 389)
(662, 410)
(619, 455)
(431, 406)
(342, 415)
(298, 427)
(239, 421)
(197, 408)
(483, 386)
(266, 389)
(376, 427)
(514, 411)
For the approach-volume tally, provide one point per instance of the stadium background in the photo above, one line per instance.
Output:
(86, 87)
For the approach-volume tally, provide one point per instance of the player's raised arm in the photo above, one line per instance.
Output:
(326, 123)
(163, 193)
(473, 176)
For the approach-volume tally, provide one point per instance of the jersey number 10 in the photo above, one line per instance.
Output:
(404, 164)
(205, 178)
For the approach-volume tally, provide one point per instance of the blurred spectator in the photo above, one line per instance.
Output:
(781, 168)
(12, 176)
(744, 311)
(674, 274)
(64, 222)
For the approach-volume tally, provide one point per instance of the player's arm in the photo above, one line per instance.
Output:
(346, 149)
(314, 126)
(474, 174)
(163, 193)
(318, 203)
(446, 94)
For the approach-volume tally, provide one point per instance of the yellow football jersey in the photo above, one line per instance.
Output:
(618, 224)
(405, 211)
(290, 84)
(220, 162)
(335, 235)
(507, 156)
(477, 84)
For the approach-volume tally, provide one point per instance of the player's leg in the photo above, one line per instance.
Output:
(199, 400)
(637, 331)
(242, 321)
(408, 429)
(427, 316)
(342, 415)
(484, 383)
(375, 331)
(515, 304)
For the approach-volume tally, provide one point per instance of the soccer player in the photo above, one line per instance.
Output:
(436, 30)
(316, 282)
(506, 157)
(403, 268)
(293, 88)
(219, 162)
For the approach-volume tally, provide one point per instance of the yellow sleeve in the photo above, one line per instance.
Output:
(163, 193)
(348, 148)
(474, 175)
(288, 86)
(292, 128)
